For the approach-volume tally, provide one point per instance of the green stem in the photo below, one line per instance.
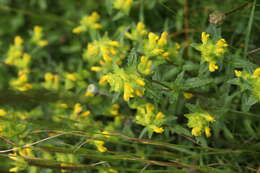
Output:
(249, 28)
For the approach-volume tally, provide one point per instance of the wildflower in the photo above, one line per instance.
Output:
(187, 95)
(63, 105)
(207, 131)
(77, 109)
(114, 109)
(238, 73)
(71, 77)
(163, 39)
(37, 37)
(88, 23)
(253, 80)
(199, 122)
(158, 130)
(21, 83)
(212, 67)
(211, 52)
(52, 81)
(123, 5)
(2, 112)
(85, 114)
(131, 84)
(146, 115)
(256, 73)
(145, 66)
(15, 51)
(100, 145)
(138, 32)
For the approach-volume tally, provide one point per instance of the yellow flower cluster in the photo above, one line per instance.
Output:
(16, 55)
(88, 23)
(21, 83)
(147, 116)
(253, 79)
(145, 66)
(78, 111)
(100, 145)
(52, 81)
(20, 163)
(2, 112)
(131, 84)
(138, 32)
(104, 52)
(199, 122)
(37, 37)
(155, 45)
(211, 52)
(123, 5)
(115, 109)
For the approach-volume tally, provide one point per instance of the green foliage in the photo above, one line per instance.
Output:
(129, 86)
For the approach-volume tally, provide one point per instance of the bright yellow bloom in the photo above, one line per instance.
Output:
(63, 105)
(207, 131)
(212, 67)
(222, 43)
(196, 131)
(71, 76)
(2, 112)
(15, 169)
(18, 41)
(77, 108)
(99, 144)
(48, 76)
(187, 95)
(158, 130)
(85, 114)
(128, 92)
(209, 118)
(204, 37)
(160, 115)
(238, 73)
(163, 40)
(256, 73)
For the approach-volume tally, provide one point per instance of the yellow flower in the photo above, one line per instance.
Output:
(2, 112)
(103, 79)
(204, 37)
(141, 28)
(63, 105)
(15, 169)
(158, 130)
(256, 73)
(77, 30)
(187, 95)
(238, 73)
(163, 40)
(212, 67)
(86, 113)
(18, 41)
(42, 43)
(71, 76)
(128, 92)
(152, 38)
(196, 131)
(77, 108)
(209, 118)
(222, 43)
(99, 144)
(160, 115)
(140, 82)
(48, 76)
(207, 131)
